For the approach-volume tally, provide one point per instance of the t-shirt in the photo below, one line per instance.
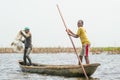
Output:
(83, 36)
(27, 40)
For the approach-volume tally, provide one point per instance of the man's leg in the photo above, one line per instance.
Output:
(87, 60)
(27, 55)
(87, 53)
(81, 57)
(81, 54)
(30, 63)
(24, 57)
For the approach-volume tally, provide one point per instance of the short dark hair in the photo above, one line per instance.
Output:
(81, 21)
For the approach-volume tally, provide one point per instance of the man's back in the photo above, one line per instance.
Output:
(28, 40)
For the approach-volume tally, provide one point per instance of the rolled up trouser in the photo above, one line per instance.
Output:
(26, 57)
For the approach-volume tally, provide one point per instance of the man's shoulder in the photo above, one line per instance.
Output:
(82, 28)
(29, 33)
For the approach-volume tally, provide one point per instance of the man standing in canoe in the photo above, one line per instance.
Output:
(84, 40)
(28, 45)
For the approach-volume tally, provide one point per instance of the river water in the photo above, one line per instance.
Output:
(10, 70)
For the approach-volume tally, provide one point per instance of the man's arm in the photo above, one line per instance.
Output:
(23, 41)
(71, 33)
(25, 36)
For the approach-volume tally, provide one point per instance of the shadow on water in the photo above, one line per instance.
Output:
(32, 76)
(80, 78)
(35, 76)
(91, 78)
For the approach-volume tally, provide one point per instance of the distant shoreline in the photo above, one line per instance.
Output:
(94, 50)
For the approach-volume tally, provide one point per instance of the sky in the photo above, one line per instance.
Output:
(101, 20)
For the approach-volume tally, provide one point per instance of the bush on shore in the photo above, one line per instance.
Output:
(94, 50)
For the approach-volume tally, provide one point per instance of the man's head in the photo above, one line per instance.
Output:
(80, 23)
(26, 29)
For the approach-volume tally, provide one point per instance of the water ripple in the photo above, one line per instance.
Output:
(9, 68)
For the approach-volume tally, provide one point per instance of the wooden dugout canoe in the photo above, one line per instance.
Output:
(60, 70)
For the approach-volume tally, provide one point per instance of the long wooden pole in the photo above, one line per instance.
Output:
(72, 43)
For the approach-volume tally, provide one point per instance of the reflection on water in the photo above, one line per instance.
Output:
(9, 68)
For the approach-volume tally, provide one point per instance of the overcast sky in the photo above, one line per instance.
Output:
(101, 20)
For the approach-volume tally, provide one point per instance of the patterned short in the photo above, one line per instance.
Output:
(85, 50)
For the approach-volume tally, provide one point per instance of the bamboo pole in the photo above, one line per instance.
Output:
(72, 43)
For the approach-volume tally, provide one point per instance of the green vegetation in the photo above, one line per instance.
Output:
(111, 50)
(94, 50)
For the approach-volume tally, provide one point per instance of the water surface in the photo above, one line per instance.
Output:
(10, 70)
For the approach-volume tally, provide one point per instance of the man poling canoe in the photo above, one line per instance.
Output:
(81, 33)
(27, 44)
(79, 60)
